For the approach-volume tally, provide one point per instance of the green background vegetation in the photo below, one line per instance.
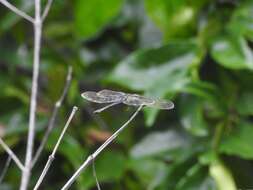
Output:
(197, 53)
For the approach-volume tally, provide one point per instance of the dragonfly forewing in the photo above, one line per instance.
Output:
(93, 97)
(137, 100)
(111, 95)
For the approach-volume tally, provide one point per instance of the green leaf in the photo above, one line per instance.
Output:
(149, 171)
(195, 178)
(239, 142)
(13, 91)
(178, 170)
(203, 89)
(103, 165)
(222, 176)
(242, 20)
(92, 15)
(175, 18)
(158, 71)
(109, 166)
(158, 142)
(232, 52)
(244, 104)
(207, 157)
(162, 68)
(192, 115)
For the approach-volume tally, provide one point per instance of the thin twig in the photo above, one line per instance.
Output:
(98, 151)
(17, 11)
(94, 174)
(33, 101)
(46, 10)
(11, 154)
(53, 117)
(6, 166)
(52, 156)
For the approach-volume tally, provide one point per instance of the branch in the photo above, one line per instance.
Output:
(94, 174)
(6, 166)
(53, 117)
(98, 151)
(52, 156)
(11, 154)
(46, 10)
(17, 11)
(33, 101)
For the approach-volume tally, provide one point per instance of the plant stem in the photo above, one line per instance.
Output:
(53, 117)
(46, 10)
(217, 135)
(11, 154)
(33, 101)
(95, 175)
(52, 156)
(6, 166)
(17, 11)
(99, 150)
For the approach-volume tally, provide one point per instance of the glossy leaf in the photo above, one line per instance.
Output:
(232, 52)
(156, 68)
(91, 16)
(242, 20)
(150, 172)
(175, 18)
(192, 115)
(157, 143)
(181, 168)
(244, 104)
(158, 71)
(196, 178)
(239, 141)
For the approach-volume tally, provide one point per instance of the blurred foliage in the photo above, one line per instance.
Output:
(197, 53)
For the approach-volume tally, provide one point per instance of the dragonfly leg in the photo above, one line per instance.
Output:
(106, 107)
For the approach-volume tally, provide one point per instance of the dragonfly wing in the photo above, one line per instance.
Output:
(113, 96)
(93, 97)
(162, 104)
(137, 100)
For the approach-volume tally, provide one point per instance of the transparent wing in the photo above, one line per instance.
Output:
(137, 100)
(93, 97)
(109, 96)
(162, 104)
(114, 96)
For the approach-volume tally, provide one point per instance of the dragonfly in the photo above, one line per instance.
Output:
(116, 97)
